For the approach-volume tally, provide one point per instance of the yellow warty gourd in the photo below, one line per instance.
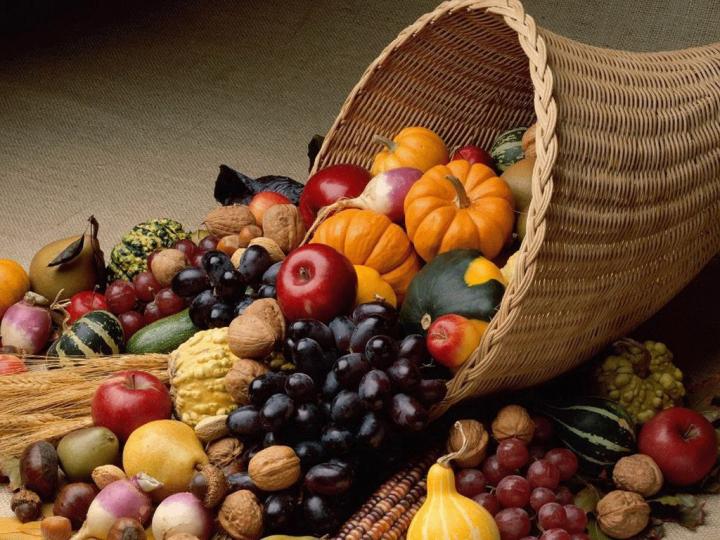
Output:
(197, 376)
(447, 515)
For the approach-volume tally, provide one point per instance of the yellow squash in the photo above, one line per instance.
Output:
(416, 147)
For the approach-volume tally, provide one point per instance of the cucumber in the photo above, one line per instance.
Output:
(164, 335)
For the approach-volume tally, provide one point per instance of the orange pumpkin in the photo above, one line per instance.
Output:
(14, 283)
(457, 206)
(416, 147)
(371, 239)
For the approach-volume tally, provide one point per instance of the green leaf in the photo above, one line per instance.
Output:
(684, 509)
(594, 531)
(587, 498)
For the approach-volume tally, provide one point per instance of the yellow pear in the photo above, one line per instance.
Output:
(168, 451)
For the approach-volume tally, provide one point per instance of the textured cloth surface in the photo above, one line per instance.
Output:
(126, 114)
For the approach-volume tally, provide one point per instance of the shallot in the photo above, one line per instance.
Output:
(27, 324)
(182, 513)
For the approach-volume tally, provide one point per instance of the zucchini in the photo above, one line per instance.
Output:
(164, 335)
(98, 333)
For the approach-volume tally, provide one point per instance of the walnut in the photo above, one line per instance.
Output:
(238, 379)
(513, 421)
(241, 516)
(224, 452)
(274, 468)
(227, 220)
(251, 337)
(269, 311)
(107, 474)
(166, 264)
(26, 505)
(211, 428)
(209, 485)
(638, 473)
(282, 223)
(622, 514)
(477, 442)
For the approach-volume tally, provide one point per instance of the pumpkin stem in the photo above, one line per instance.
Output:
(463, 201)
(446, 459)
(388, 143)
(426, 321)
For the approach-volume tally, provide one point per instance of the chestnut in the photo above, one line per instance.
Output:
(39, 469)
(73, 502)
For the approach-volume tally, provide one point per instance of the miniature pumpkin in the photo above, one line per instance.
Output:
(458, 206)
(445, 513)
(416, 147)
(15, 284)
(371, 239)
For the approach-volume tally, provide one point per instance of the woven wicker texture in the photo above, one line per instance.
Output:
(626, 187)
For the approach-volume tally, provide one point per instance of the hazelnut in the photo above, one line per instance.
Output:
(274, 468)
(209, 485)
(477, 442)
(26, 505)
(238, 379)
(638, 473)
(224, 452)
(107, 474)
(126, 529)
(166, 264)
(249, 233)
(622, 514)
(513, 421)
(56, 528)
(211, 428)
(241, 516)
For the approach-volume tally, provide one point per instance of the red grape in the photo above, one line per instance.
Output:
(513, 492)
(512, 453)
(536, 452)
(146, 286)
(513, 523)
(196, 259)
(576, 519)
(529, 538)
(555, 534)
(470, 482)
(150, 258)
(208, 243)
(564, 496)
(551, 516)
(541, 496)
(544, 430)
(579, 536)
(120, 296)
(168, 302)
(565, 461)
(152, 313)
(188, 247)
(493, 471)
(542, 473)
(488, 501)
(131, 321)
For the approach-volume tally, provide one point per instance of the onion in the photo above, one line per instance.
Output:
(127, 498)
(182, 513)
(27, 324)
(384, 194)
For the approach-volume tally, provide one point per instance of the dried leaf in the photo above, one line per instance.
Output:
(654, 531)
(711, 483)
(703, 394)
(10, 467)
(69, 253)
(684, 509)
(314, 149)
(594, 531)
(587, 498)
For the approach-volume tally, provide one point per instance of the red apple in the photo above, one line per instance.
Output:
(129, 399)
(682, 442)
(451, 339)
(9, 364)
(329, 185)
(473, 154)
(264, 200)
(316, 282)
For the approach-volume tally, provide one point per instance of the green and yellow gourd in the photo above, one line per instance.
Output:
(129, 257)
(461, 281)
(197, 370)
(447, 515)
(507, 148)
(98, 333)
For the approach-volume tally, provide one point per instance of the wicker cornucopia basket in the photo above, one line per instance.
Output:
(626, 186)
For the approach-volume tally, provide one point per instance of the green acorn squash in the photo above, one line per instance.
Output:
(507, 148)
(98, 333)
(460, 281)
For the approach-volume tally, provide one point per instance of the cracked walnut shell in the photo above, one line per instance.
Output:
(622, 514)
(638, 473)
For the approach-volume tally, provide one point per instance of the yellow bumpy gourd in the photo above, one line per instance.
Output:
(197, 376)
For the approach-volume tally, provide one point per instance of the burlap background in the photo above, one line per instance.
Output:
(126, 111)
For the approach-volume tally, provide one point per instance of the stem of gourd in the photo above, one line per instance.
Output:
(388, 143)
(463, 201)
(446, 459)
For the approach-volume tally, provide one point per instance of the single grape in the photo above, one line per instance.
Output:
(329, 479)
(187, 247)
(197, 258)
(575, 519)
(364, 330)
(375, 389)
(350, 369)
(300, 387)
(342, 328)
(279, 511)
(307, 421)
(493, 471)
(381, 351)
(120, 296)
(544, 430)
(271, 439)
(408, 413)
(541, 496)
(216, 263)
(310, 453)
(565, 460)
(229, 286)
(579, 536)
(190, 282)
(564, 496)
(146, 286)
(168, 302)
(208, 243)
(513, 523)
(513, 492)
(347, 407)
(150, 258)
(311, 328)
(267, 291)
(529, 538)
(244, 421)
(242, 305)
(221, 315)
(241, 480)
(254, 263)
(200, 309)
(308, 357)
(556, 534)
(337, 441)
(542, 473)
(470, 482)
(372, 430)
(131, 321)
(320, 516)
(414, 347)
(551, 516)
(378, 309)
(152, 313)
(512, 453)
(404, 375)
(431, 391)
(270, 275)
(331, 386)
(278, 409)
(264, 386)
(488, 501)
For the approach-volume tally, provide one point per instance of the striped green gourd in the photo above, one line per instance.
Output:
(507, 148)
(599, 431)
(98, 333)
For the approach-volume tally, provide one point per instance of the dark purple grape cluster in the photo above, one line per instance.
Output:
(358, 389)
(218, 292)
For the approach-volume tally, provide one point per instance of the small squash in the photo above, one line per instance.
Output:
(508, 148)
(457, 206)
(372, 287)
(416, 147)
(97, 333)
(15, 283)
(371, 239)
(446, 514)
